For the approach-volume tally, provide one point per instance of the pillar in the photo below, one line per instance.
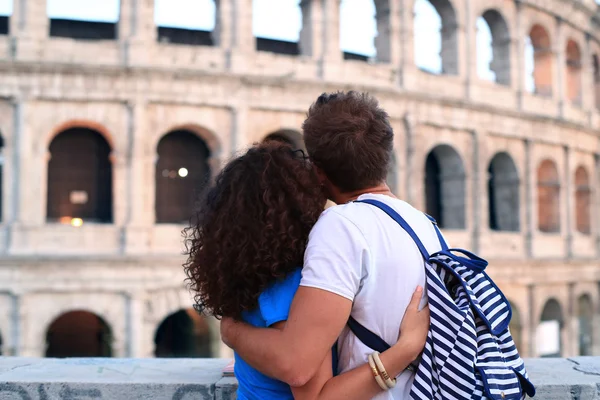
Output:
(234, 32)
(29, 28)
(476, 189)
(409, 125)
(136, 31)
(331, 51)
(134, 324)
(519, 65)
(529, 200)
(560, 70)
(388, 38)
(312, 28)
(568, 203)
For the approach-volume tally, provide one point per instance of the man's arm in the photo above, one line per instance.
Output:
(295, 353)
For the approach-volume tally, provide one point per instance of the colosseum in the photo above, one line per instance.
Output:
(109, 129)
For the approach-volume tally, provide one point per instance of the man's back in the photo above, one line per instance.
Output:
(358, 252)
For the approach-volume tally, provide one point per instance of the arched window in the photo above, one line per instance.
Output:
(503, 194)
(78, 334)
(183, 334)
(276, 26)
(538, 55)
(80, 20)
(185, 22)
(288, 136)
(182, 172)
(573, 79)
(548, 197)
(436, 37)
(549, 339)
(445, 187)
(585, 316)
(583, 201)
(358, 29)
(516, 326)
(79, 178)
(493, 48)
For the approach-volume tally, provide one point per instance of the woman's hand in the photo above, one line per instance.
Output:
(414, 327)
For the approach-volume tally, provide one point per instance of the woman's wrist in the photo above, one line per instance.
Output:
(397, 358)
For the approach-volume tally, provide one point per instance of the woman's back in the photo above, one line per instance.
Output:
(273, 306)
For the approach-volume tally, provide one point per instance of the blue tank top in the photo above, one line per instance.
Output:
(273, 306)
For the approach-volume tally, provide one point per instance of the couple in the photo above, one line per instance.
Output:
(286, 276)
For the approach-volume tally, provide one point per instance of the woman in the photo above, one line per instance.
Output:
(244, 261)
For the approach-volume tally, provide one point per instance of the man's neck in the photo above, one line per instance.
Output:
(343, 198)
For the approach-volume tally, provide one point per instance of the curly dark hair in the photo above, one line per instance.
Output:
(251, 228)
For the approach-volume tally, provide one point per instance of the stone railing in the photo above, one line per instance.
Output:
(187, 379)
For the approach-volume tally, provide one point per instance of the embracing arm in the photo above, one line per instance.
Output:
(359, 383)
(294, 353)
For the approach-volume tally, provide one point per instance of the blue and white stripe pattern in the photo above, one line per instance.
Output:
(469, 353)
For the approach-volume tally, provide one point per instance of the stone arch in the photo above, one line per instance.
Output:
(493, 38)
(549, 330)
(79, 177)
(585, 317)
(81, 124)
(440, 15)
(276, 40)
(516, 326)
(289, 136)
(207, 135)
(184, 333)
(574, 66)
(182, 171)
(195, 24)
(363, 14)
(79, 334)
(583, 201)
(548, 185)
(445, 187)
(539, 57)
(503, 194)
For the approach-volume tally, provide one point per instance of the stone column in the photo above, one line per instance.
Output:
(136, 31)
(560, 70)
(239, 136)
(568, 204)
(406, 30)
(529, 199)
(388, 39)
(16, 323)
(409, 128)
(29, 28)
(312, 28)
(331, 55)
(470, 45)
(476, 187)
(234, 32)
(596, 207)
(134, 324)
(518, 67)
(588, 97)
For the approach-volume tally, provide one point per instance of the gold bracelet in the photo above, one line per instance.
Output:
(378, 379)
(391, 383)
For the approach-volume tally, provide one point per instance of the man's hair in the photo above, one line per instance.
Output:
(350, 138)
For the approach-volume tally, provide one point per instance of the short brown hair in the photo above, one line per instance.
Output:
(350, 138)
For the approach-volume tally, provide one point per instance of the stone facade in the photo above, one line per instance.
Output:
(134, 90)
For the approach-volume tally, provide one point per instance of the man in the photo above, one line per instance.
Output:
(358, 260)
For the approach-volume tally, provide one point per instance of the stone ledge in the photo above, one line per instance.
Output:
(187, 379)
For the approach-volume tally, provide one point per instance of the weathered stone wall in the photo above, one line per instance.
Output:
(131, 379)
(134, 90)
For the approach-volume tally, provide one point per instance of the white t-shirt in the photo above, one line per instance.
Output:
(357, 251)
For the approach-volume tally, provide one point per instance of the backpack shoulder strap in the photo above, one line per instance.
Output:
(402, 222)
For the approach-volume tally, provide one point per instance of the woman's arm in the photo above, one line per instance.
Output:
(359, 383)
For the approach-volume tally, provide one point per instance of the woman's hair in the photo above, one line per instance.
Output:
(251, 228)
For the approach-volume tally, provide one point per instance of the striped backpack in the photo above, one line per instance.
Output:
(469, 352)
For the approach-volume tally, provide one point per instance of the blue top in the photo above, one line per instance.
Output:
(273, 306)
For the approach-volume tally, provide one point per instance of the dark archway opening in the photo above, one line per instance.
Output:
(99, 22)
(516, 326)
(548, 197)
(549, 331)
(445, 187)
(192, 25)
(182, 172)
(503, 194)
(78, 334)
(183, 334)
(79, 177)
